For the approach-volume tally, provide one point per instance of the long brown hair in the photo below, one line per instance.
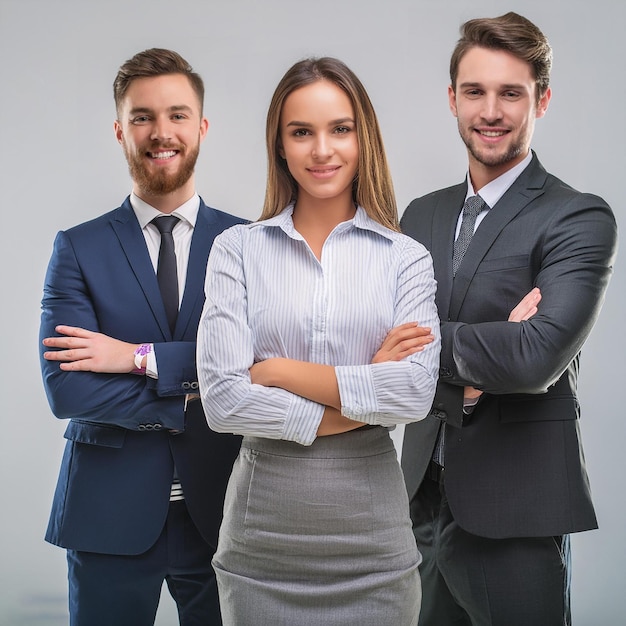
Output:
(372, 188)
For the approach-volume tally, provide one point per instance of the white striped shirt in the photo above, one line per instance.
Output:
(267, 295)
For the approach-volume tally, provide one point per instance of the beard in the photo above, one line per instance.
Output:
(161, 183)
(491, 158)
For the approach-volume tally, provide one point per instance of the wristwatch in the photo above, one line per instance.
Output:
(143, 350)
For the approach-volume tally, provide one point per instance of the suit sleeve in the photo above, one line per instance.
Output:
(500, 357)
(123, 400)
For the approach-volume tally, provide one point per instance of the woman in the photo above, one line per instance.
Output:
(294, 354)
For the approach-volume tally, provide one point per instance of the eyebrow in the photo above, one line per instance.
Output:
(517, 86)
(341, 120)
(172, 109)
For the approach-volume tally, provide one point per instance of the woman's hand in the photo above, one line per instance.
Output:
(403, 341)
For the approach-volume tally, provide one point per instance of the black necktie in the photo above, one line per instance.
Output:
(472, 207)
(166, 268)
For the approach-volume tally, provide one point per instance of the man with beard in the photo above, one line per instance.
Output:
(142, 481)
(496, 473)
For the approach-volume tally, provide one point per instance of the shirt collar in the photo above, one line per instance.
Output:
(188, 211)
(361, 219)
(493, 191)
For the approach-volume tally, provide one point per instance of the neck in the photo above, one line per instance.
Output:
(316, 218)
(481, 174)
(323, 213)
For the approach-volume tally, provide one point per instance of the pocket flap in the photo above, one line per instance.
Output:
(95, 434)
(540, 409)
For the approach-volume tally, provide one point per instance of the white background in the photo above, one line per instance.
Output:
(60, 165)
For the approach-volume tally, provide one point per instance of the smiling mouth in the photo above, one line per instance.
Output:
(165, 154)
(324, 170)
(492, 133)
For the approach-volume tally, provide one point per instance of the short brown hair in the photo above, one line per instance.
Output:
(372, 187)
(154, 62)
(512, 33)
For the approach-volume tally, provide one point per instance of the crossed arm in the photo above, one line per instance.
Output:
(525, 309)
(318, 382)
(81, 350)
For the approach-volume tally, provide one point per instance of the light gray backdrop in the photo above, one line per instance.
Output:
(61, 165)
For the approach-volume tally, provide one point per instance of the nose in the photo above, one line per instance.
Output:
(161, 129)
(322, 147)
(491, 108)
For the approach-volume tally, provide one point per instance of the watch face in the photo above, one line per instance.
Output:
(140, 352)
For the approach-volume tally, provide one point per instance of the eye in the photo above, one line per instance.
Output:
(473, 93)
(179, 117)
(511, 95)
(140, 119)
(342, 130)
(301, 132)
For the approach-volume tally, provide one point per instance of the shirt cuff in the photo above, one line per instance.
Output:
(357, 392)
(151, 364)
(303, 420)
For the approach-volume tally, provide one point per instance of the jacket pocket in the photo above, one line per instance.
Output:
(535, 409)
(506, 263)
(95, 434)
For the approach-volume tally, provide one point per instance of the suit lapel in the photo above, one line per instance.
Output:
(444, 227)
(203, 235)
(126, 227)
(527, 187)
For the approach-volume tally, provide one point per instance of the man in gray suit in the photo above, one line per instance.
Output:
(496, 473)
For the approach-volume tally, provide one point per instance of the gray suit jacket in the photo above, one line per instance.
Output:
(515, 467)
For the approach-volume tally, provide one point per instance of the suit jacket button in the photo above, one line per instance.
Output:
(445, 372)
(157, 426)
(186, 385)
(141, 427)
(440, 415)
(194, 385)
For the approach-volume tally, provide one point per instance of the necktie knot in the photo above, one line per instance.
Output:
(165, 223)
(473, 206)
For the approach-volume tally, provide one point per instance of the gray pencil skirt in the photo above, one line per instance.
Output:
(318, 535)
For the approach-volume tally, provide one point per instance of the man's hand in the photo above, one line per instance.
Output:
(527, 306)
(81, 350)
(525, 309)
(403, 341)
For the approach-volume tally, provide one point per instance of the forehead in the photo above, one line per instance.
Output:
(161, 92)
(496, 67)
(317, 101)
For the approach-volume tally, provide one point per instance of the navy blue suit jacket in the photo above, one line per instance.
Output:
(515, 467)
(113, 490)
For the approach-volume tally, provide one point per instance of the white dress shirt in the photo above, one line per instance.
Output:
(267, 295)
(182, 234)
(493, 191)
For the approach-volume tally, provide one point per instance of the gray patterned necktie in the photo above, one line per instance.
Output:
(472, 207)
(167, 275)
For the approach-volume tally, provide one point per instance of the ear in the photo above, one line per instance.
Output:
(452, 101)
(204, 128)
(119, 134)
(542, 105)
